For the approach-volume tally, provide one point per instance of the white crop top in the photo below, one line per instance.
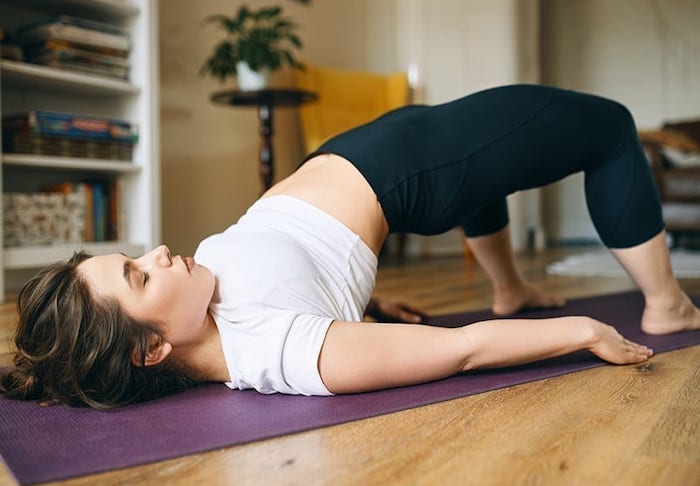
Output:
(284, 272)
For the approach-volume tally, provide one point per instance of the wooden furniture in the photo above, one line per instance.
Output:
(679, 186)
(266, 101)
(26, 87)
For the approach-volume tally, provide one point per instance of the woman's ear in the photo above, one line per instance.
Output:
(158, 350)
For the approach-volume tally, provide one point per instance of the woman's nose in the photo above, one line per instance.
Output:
(163, 255)
(158, 256)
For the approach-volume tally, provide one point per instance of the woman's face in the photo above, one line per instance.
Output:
(156, 287)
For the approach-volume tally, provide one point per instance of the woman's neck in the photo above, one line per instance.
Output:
(206, 357)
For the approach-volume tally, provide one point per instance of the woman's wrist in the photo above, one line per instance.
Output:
(589, 331)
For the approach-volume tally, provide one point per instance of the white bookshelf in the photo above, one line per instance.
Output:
(27, 87)
(71, 163)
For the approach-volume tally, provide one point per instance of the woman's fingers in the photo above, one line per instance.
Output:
(615, 348)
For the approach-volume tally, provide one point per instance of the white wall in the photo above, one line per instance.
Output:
(645, 54)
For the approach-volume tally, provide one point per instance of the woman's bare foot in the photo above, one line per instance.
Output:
(511, 300)
(669, 317)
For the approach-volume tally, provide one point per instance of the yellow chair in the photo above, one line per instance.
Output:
(346, 99)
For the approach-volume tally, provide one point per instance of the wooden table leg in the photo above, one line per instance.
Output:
(267, 170)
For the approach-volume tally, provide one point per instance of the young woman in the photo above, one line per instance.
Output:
(275, 301)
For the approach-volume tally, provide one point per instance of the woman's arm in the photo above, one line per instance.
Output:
(358, 357)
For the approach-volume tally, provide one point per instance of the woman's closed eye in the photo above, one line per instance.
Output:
(146, 277)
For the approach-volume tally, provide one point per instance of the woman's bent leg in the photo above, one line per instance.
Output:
(668, 309)
(510, 290)
(624, 205)
(488, 237)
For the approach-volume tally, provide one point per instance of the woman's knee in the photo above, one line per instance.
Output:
(620, 116)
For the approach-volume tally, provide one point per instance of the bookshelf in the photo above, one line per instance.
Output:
(29, 75)
(25, 87)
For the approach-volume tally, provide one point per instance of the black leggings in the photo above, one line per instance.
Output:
(434, 168)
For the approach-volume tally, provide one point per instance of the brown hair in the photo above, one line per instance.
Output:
(77, 349)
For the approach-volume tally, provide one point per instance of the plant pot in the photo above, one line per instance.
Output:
(249, 80)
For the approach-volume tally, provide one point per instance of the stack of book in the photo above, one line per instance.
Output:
(68, 135)
(72, 43)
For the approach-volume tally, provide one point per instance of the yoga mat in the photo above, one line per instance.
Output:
(41, 444)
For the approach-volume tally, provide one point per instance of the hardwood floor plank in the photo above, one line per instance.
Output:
(676, 436)
(652, 471)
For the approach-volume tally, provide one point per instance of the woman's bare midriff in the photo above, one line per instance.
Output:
(334, 185)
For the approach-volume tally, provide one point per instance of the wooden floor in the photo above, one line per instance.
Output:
(628, 425)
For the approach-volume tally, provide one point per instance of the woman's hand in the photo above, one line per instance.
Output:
(610, 345)
(382, 310)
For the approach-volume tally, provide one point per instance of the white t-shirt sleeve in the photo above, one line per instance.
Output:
(275, 351)
(302, 349)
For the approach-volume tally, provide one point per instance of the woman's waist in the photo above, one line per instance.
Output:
(335, 186)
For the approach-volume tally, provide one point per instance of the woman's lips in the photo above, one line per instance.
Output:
(189, 263)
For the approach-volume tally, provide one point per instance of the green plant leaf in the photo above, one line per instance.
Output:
(295, 40)
(243, 14)
(262, 38)
(268, 13)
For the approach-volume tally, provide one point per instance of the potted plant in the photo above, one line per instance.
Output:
(257, 42)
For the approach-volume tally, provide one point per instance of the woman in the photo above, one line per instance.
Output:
(274, 302)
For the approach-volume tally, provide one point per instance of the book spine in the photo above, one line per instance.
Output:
(113, 208)
(99, 212)
(86, 189)
(57, 45)
(77, 56)
(120, 211)
(90, 24)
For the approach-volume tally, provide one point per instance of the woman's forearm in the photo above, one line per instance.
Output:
(507, 342)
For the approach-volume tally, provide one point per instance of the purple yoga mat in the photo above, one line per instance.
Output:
(41, 444)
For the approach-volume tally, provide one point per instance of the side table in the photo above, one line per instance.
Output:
(265, 100)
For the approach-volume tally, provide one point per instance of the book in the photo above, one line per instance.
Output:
(113, 219)
(71, 125)
(58, 45)
(99, 212)
(86, 190)
(73, 29)
(74, 54)
(99, 70)
(105, 27)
